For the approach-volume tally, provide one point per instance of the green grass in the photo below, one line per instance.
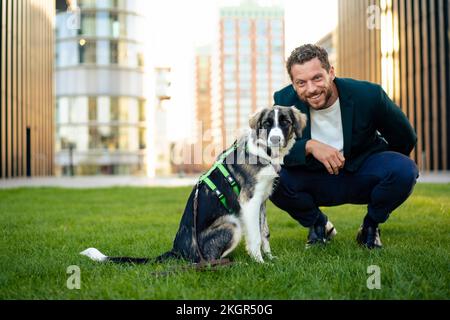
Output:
(43, 230)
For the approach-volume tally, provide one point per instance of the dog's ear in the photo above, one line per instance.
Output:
(255, 119)
(298, 120)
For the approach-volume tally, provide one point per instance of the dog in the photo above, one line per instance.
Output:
(212, 232)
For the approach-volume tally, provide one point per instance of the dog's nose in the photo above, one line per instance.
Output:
(275, 140)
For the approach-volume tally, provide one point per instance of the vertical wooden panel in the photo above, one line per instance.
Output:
(396, 53)
(19, 90)
(46, 76)
(24, 84)
(40, 74)
(417, 83)
(425, 77)
(34, 102)
(3, 91)
(403, 62)
(434, 82)
(49, 105)
(13, 130)
(9, 90)
(443, 62)
(53, 94)
(410, 54)
(370, 41)
(28, 76)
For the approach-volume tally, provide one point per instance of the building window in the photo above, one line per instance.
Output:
(142, 110)
(114, 109)
(87, 50)
(88, 24)
(92, 105)
(142, 138)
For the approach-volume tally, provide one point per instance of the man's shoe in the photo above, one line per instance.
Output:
(320, 234)
(369, 237)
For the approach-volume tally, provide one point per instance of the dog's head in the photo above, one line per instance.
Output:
(277, 127)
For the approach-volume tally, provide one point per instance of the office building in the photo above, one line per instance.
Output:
(101, 105)
(26, 82)
(404, 45)
(248, 66)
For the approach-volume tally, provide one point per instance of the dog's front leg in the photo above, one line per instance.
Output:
(250, 219)
(265, 233)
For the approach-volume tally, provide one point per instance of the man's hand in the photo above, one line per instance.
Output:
(330, 157)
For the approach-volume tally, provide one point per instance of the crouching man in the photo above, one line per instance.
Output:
(354, 149)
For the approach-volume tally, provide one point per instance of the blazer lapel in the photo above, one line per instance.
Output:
(346, 104)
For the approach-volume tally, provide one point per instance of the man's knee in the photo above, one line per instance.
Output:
(404, 172)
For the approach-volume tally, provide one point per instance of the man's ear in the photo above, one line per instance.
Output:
(255, 119)
(298, 121)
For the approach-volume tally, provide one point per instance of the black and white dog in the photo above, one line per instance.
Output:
(254, 164)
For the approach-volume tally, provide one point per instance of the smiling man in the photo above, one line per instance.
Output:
(354, 149)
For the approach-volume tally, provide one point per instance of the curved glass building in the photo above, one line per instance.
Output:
(101, 125)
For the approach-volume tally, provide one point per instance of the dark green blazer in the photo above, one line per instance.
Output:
(371, 122)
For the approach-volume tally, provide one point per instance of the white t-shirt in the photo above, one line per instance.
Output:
(326, 126)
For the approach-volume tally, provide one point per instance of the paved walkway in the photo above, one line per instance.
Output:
(98, 182)
(112, 181)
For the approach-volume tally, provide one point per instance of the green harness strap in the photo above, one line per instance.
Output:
(228, 177)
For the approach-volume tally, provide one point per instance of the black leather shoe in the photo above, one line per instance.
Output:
(320, 234)
(369, 237)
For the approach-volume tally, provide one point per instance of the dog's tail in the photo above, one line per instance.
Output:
(96, 255)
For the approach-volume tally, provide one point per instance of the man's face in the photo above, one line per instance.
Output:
(313, 84)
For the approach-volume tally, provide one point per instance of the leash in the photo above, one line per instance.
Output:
(203, 262)
(194, 228)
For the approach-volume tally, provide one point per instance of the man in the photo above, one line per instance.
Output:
(354, 149)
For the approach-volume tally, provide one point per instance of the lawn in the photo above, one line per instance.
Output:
(44, 229)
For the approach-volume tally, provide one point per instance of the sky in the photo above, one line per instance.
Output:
(180, 26)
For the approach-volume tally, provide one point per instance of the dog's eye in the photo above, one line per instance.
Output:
(285, 122)
(267, 124)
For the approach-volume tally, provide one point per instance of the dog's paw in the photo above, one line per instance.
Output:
(257, 257)
(270, 256)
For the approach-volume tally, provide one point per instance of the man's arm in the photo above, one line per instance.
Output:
(315, 155)
(394, 126)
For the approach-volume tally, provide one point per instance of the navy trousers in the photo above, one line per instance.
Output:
(383, 182)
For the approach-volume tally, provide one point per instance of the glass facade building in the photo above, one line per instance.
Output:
(250, 64)
(101, 117)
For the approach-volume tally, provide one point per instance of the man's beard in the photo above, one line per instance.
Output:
(328, 93)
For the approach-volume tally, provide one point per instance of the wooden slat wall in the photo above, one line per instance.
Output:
(3, 90)
(26, 82)
(359, 50)
(443, 13)
(417, 76)
(421, 67)
(426, 142)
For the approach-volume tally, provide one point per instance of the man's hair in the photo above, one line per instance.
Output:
(306, 53)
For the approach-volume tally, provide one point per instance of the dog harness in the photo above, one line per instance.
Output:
(226, 174)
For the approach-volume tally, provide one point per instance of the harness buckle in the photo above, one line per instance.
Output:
(219, 194)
